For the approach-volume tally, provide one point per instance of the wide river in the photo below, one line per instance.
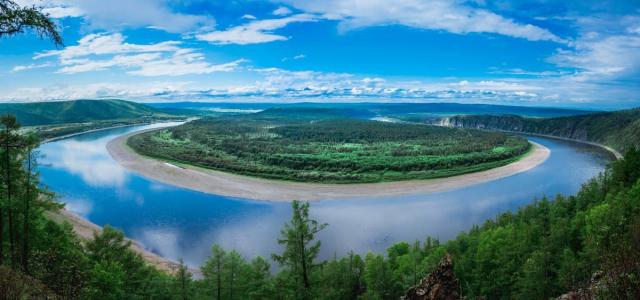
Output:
(179, 223)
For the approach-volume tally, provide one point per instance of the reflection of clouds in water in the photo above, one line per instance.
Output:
(373, 226)
(160, 240)
(88, 159)
(255, 235)
(82, 207)
(250, 236)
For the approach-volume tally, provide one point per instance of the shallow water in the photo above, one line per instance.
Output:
(179, 223)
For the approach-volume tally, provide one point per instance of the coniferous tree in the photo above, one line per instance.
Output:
(300, 248)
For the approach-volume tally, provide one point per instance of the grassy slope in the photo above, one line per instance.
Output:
(77, 111)
(619, 130)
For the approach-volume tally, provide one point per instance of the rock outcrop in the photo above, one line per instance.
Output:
(441, 284)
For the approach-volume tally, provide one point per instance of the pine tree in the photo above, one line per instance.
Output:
(300, 248)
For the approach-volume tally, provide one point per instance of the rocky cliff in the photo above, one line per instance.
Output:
(440, 284)
(619, 130)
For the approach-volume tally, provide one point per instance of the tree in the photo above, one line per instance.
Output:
(259, 283)
(15, 20)
(212, 270)
(30, 195)
(183, 283)
(10, 140)
(300, 249)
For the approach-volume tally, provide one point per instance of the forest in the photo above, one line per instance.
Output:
(542, 250)
(619, 130)
(300, 147)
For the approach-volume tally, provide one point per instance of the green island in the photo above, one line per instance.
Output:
(329, 150)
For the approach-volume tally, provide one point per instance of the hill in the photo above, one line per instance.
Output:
(77, 111)
(619, 130)
(411, 111)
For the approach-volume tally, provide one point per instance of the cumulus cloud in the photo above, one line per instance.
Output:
(95, 91)
(96, 52)
(599, 56)
(448, 15)
(254, 32)
(279, 85)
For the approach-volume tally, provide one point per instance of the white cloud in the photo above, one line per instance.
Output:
(278, 85)
(103, 43)
(448, 15)
(95, 91)
(296, 57)
(117, 14)
(30, 67)
(254, 32)
(55, 8)
(248, 17)
(282, 11)
(598, 56)
(97, 52)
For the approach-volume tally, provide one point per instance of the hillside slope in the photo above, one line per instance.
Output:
(619, 130)
(77, 111)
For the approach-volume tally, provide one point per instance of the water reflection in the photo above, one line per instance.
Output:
(178, 223)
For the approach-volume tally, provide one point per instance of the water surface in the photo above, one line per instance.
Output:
(179, 223)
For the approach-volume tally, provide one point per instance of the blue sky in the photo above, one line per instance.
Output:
(530, 52)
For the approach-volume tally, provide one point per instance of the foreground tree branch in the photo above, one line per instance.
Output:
(15, 20)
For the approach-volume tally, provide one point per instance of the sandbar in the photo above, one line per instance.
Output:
(239, 186)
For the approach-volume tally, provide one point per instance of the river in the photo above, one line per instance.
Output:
(178, 223)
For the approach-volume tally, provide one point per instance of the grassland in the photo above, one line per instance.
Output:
(329, 150)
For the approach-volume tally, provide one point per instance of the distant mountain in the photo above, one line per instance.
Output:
(308, 113)
(46, 113)
(408, 111)
(619, 130)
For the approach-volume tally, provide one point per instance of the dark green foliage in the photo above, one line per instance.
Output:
(15, 20)
(300, 249)
(619, 129)
(337, 150)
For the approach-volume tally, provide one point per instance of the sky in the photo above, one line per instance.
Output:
(581, 54)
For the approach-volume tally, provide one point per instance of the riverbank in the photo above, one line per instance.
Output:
(85, 230)
(232, 185)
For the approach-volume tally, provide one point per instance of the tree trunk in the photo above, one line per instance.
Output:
(9, 205)
(305, 277)
(27, 200)
(1, 235)
(219, 277)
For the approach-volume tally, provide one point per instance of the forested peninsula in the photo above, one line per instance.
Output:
(307, 147)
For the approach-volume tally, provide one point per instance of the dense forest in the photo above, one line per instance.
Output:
(328, 150)
(619, 130)
(589, 240)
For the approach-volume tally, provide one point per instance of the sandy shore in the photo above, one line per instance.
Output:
(85, 230)
(226, 184)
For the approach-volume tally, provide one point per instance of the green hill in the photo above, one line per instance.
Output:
(77, 111)
(619, 130)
